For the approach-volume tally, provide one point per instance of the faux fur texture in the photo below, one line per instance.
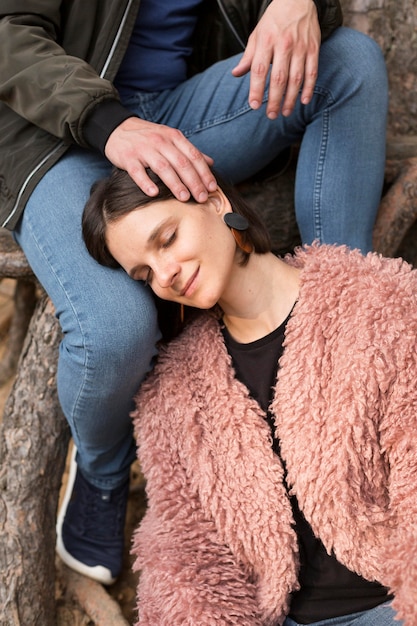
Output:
(216, 546)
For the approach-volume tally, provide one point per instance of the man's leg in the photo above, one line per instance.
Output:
(342, 133)
(109, 332)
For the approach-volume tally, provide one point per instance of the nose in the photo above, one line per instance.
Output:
(166, 273)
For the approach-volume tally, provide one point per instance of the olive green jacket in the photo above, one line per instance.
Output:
(57, 62)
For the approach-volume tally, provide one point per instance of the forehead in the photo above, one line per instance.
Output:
(144, 218)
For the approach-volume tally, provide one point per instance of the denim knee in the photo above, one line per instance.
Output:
(362, 60)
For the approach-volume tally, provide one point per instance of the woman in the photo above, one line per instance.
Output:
(277, 431)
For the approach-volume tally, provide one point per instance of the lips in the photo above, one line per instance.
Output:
(189, 283)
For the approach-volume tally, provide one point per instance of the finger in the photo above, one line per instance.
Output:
(139, 175)
(310, 77)
(280, 57)
(168, 176)
(244, 65)
(193, 169)
(295, 81)
(258, 76)
(181, 166)
(277, 86)
(256, 59)
(208, 159)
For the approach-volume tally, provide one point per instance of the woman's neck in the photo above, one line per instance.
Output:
(260, 297)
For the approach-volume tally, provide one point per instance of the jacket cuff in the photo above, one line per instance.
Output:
(320, 9)
(330, 16)
(102, 121)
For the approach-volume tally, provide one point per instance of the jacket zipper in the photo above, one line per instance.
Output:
(28, 179)
(116, 40)
(233, 30)
(230, 25)
(61, 143)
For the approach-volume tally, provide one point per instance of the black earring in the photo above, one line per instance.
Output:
(236, 221)
(238, 224)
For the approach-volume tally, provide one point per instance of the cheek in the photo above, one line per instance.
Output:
(120, 256)
(116, 246)
(164, 294)
(217, 238)
(125, 251)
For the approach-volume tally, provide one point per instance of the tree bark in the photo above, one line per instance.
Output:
(398, 210)
(33, 442)
(392, 23)
(24, 304)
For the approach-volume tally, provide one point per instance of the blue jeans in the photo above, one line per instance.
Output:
(382, 615)
(108, 320)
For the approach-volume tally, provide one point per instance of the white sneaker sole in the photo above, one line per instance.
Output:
(97, 572)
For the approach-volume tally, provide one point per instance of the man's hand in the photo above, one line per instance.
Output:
(286, 41)
(137, 144)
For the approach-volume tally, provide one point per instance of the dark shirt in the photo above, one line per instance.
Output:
(328, 589)
(161, 42)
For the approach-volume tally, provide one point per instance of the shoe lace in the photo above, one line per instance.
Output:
(104, 512)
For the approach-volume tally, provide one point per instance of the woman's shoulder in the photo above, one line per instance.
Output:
(184, 372)
(351, 267)
(343, 291)
(197, 345)
(203, 328)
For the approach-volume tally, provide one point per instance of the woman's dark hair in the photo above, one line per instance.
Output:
(118, 195)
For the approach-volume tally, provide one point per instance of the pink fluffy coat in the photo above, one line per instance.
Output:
(216, 546)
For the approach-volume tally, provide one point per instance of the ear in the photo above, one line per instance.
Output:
(219, 202)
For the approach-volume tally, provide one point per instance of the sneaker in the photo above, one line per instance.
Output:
(90, 527)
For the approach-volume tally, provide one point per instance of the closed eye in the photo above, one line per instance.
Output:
(170, 240)
(144, 273)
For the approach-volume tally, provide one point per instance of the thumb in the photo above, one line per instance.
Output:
(245, 63)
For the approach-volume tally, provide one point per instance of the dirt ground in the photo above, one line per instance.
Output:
(70, 611)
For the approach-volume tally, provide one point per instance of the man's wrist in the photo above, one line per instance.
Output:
(320, 6)
(102, 121)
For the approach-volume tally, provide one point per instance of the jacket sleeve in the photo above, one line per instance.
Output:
(330, 16)
(43, 84)
(187, 575)
(398, 432)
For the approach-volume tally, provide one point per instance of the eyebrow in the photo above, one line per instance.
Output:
(152, 237)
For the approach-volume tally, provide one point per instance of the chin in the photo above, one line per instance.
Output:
(206, 304)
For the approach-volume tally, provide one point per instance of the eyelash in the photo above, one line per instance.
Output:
(170, 240)
(166, 244)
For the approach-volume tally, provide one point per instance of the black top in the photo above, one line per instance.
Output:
(328, 589)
